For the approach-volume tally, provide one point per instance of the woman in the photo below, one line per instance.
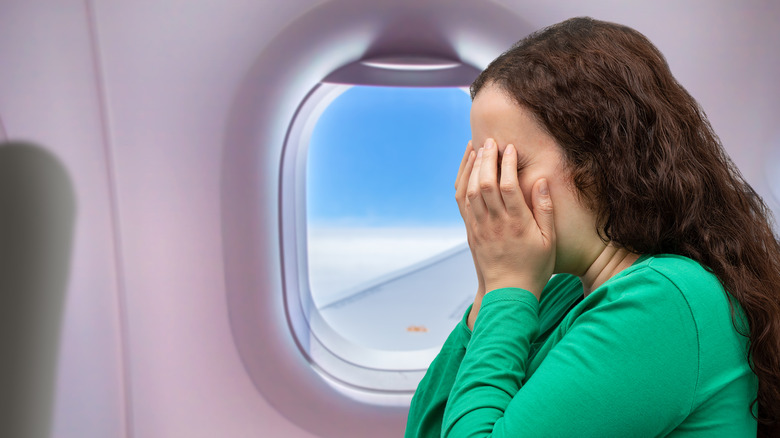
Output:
(595, 164)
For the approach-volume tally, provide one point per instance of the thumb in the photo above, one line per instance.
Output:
(543, 209)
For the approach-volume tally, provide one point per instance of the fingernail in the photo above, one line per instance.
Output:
(510, 149)
(490, 144)
(543, 190)
(479, 153)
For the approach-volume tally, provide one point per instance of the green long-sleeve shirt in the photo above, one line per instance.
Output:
(652, 352)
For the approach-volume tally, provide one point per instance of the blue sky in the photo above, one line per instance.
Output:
(388, 156)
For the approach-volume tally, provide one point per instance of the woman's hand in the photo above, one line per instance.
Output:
(512, 245)
(461, 184)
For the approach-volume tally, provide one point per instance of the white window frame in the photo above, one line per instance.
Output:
(370, 375)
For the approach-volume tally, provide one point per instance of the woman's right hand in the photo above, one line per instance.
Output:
(461, 185)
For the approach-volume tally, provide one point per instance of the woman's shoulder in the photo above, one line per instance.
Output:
(677, 268)
(689, 300)
(670, 272)
(682, 286)
(671, 282)
(677, 310)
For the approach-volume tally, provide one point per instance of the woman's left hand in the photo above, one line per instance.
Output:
(514, 245)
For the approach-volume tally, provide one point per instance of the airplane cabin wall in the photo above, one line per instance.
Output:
(49, 97)
(171, 72)
(135, 98)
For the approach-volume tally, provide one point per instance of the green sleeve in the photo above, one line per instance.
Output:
(628, 366)
(430, 399)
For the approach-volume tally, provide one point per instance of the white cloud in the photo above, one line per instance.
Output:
(344, 258)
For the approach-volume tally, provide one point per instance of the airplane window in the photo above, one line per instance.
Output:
(375, 263)
(383, 229)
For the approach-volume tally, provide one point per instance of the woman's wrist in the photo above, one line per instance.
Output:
(535, 287)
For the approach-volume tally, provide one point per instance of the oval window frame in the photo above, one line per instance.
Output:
(366, 374)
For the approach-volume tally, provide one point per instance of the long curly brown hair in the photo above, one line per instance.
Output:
(643, 154)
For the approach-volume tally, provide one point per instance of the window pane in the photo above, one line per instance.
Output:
(380, 198)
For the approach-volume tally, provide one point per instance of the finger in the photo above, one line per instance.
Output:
(543, 209)
(514, 201)
(473, 194)
(463, 181)
(463, 162)
(488, 179)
